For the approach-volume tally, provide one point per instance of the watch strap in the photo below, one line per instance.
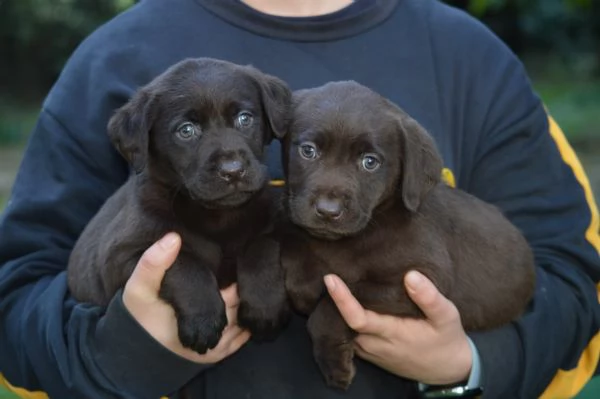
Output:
(472, 389)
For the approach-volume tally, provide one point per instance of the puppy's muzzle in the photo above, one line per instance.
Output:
(330, 205)
(232, 171)
(328, 208)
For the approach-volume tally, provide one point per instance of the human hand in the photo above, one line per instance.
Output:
(434, 350)
(141, 299)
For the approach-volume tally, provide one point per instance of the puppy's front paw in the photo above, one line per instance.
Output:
(337, 366)
(264, 321)
(201, 332)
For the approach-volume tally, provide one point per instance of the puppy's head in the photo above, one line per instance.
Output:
(201, 128)
(349, 153)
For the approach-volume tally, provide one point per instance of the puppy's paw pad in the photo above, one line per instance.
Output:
(264, 322)
(201, 332)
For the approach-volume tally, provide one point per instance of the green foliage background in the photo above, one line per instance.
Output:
(558, 39)
(37, 36)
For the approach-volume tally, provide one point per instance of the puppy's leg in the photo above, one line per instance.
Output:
(388, 297)
(333, 346)
(264, 307)
(191, 288)
(303, 276)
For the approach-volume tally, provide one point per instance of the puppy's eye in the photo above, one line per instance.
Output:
(308, 151)
(243, 120)
(186, 131)
(370, 162)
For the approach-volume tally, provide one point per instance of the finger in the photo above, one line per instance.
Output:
(232, 339)
(362, 352)
(436, 307)
(155, 261)
(238, 342)
(378, 345)
(367, 355)
(233, 336)
(231, 312)
(358, 318)
(230, 296)
(352, 311)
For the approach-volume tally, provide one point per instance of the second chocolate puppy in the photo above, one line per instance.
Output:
(365, 197)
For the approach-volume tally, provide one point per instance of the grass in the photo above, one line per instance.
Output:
(16, 121)
(3, 201)
(4, 394)
(591, 390)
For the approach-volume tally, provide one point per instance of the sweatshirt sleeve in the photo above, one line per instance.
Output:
(531, 173)
(515, 156)
(48, 341)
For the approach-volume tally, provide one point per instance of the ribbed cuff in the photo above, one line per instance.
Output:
(501, 356)
(132, 359)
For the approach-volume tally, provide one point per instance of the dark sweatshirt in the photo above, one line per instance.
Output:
(442, 66)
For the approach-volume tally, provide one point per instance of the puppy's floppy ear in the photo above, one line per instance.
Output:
(421, 163)
(276, 98)
(129, 128)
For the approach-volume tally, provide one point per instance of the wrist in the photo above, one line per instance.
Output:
(464, 362)
(131, 358)
(468, 387)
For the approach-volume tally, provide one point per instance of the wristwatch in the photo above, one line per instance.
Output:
(471, 389)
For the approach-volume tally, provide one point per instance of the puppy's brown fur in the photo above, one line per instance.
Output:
(365, 196)
(195, 136)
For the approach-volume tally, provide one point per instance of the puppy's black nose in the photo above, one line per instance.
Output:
(328, 208)
(231, 170)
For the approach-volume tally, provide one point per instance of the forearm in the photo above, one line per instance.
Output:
(48, 342)
(93, 355)
(521, 359)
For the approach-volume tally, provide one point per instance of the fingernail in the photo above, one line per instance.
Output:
(414, 280)
(330, 283)
(169, 241)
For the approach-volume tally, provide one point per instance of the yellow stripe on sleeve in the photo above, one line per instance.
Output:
(20, 392)
(25, 394)
(568, 383)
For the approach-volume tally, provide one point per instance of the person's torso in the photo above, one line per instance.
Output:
(389, 53)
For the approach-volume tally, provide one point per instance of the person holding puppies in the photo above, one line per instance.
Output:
(452, 75)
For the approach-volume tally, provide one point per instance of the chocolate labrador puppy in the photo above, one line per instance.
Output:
(366, 202)
(195, 135)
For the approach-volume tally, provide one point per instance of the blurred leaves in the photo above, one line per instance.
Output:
(37, 36)
(569, 28)
(559, 39)
(479, 7)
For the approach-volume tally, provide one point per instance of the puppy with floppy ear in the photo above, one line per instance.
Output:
(195, 137)
(365, 201)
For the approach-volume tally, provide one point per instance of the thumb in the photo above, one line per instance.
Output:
(436, 307)
(155, 261)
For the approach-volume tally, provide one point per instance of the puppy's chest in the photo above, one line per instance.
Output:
(358, 260)
(219, 254)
